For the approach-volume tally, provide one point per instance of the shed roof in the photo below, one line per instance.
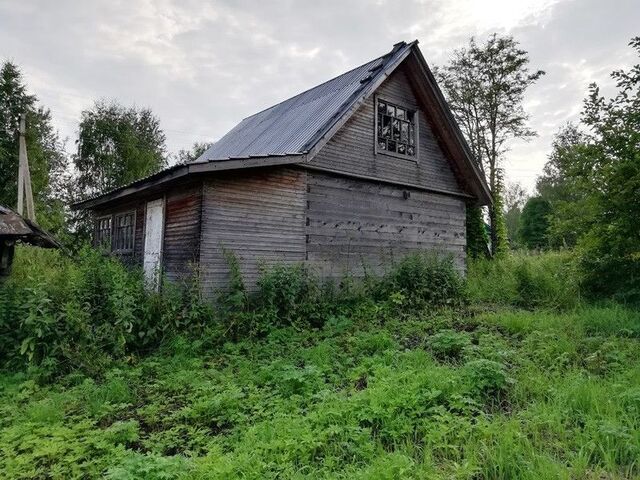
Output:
(14, 227)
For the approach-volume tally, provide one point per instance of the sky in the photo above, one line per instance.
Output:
(202, 66)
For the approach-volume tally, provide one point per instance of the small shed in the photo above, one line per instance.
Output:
(15, 228)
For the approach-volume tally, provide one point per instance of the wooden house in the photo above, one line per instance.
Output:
(351, 174)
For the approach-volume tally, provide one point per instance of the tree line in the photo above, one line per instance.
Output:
(586, 199)
(115, 145)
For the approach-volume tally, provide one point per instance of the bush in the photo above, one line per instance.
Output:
(548, 280)
(64, 313)
(487, 378)
(448, 344)
(423, 279)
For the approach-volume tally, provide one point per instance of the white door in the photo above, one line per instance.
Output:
(154, 228)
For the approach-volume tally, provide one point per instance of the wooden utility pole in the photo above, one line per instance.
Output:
(24, 177)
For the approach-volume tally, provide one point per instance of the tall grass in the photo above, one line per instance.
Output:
(547, 280)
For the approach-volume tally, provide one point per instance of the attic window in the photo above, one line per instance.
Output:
(123, 232)
(396, 131)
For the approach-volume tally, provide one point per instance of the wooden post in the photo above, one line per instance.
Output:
(24, 177)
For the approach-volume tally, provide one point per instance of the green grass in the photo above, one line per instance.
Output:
(373, 395)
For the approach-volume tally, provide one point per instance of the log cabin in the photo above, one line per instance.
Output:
(347, 177)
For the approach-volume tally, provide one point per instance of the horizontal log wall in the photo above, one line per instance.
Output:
(181, 248)
(259, 216)
(351, 149)
(354, 225)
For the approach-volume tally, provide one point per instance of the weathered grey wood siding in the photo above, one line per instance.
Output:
(259, 216)
(354, 224)
(181, 247)
(351, 149)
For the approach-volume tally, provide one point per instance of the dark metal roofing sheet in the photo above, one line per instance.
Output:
(290, 126)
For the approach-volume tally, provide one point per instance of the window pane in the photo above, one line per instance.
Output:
(391, 110)
(411, 150)
(401, 113)
(402, 148)
(382, 107)
(396, 129)
(411, 141)
(404, 132)
(386, 126)
(382, 144)
(391, 145)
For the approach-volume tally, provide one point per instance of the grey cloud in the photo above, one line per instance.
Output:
(203, 66)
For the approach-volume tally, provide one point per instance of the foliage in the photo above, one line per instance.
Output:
(423, 279)
(66, 314)
(197, 149)
(531, 395)
(477, 237)
(514, 199)
(117, 145)
(593, 182)
(534, 223)
(47, 160)
(548, 281)
(485, 86)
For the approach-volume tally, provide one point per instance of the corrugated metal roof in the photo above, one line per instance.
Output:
(294, 125)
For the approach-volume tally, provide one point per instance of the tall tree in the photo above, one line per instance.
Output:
(534, 223)
(565, 183)
(197, 149)
(117, 145)
(514, 199)
(485, 86)
(47, 159)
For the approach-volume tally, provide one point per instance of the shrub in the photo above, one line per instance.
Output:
(547, 280)
(291, 295)
(487, 378)
(423, 279)
(448, 344)
(64, 313)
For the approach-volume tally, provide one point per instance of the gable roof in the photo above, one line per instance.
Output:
(293, 131)
(294, 125)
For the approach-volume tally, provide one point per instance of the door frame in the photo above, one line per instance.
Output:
(154, 283)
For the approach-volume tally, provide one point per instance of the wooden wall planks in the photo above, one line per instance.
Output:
(351, 150)
(354, 225)
(181, 248)
(259, 216)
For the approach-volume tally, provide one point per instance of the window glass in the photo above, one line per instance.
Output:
(396, 129)
(123, 232)
(103, 232)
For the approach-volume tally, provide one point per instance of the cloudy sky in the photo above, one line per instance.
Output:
(204, 65)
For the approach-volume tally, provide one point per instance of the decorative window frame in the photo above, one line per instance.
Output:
(114, 223)
(416, 125)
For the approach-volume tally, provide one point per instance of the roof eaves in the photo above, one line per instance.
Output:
(485, 196)
(182, 170)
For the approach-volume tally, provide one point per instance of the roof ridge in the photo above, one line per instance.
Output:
(388, 54)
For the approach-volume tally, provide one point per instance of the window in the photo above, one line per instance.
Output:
(103, 232)
(123, 232)
(395, 129)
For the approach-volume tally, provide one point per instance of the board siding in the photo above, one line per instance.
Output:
(352, 148)
(259, 216)
(181, 248)
(355, 226)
